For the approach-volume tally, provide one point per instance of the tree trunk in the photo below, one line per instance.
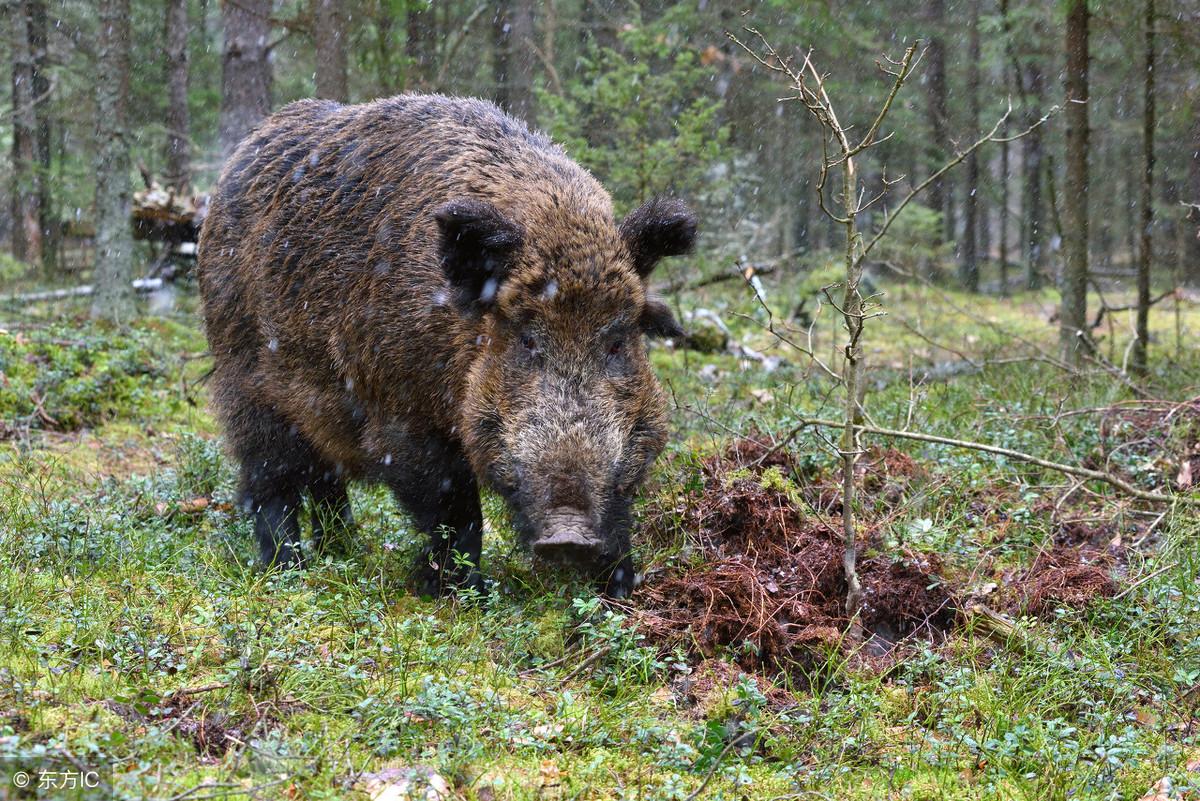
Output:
(245, 69)
(1101, 244)
(853, 367)
(969, 268)
(1004, 165)
(178, 148)
(39, 57)
(1033, 208)
(1146, 252)
(329, 37)
(985, 223)
(549, 26)
(114, 237)
(26, 230)
(513, 66)
(935, 55)
(1129, 190)
(1192, 250)
(1073, 313)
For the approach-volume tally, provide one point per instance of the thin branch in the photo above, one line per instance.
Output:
(990, 136)
(594, 657)
(907, 64)
(1071, 470)
(744, 272)
(1143, 580)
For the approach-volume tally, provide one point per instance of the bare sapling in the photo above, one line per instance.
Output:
(839, 153)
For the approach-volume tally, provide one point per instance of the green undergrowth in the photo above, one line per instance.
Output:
(126, 575)
(64, 377)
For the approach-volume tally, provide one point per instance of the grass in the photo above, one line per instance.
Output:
(136, 631)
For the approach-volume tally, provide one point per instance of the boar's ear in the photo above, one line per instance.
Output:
(658, 321)
(662, 227)
(478, 243)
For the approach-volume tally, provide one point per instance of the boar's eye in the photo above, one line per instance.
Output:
(529, 343)
(616, 354)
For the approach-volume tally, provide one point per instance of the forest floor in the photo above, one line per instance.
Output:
(1027, 636)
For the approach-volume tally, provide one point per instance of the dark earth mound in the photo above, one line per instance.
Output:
(1064, 577)
(766, 580)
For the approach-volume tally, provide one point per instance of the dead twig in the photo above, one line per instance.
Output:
(741, 739)
(1143, 580)
(188, 691)
(594, 657)
(1068, 469)
(743, 272)
(990, 136)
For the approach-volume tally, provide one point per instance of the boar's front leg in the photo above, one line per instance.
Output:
(332, 521)
(618, 577)
(439, 490)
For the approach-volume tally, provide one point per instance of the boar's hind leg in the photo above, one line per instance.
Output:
(443, 498)
(332, 521)
(276, 525)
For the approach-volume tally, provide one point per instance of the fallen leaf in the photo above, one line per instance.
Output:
(404, 784)
(985, 589)
(1184, 725)
(549, 773)
(548, 731)
(193, 506)
(1161, 791)
(1184, 479)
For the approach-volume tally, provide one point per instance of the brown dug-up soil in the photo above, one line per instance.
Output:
(767, 581)
(1067, 578)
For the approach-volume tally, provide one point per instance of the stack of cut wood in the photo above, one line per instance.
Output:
(160, 216)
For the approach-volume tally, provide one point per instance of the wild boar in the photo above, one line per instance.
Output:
(422, 291)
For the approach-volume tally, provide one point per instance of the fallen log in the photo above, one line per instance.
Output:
(139, 285)
(737, 272)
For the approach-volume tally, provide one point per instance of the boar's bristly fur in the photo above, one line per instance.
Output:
(420, 291)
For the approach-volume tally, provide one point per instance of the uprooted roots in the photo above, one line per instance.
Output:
(1067, 578)
(767, 581)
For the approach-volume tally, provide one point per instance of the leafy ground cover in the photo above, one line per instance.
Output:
(1028, 636)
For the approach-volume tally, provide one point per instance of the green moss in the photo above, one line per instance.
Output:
(66, 378)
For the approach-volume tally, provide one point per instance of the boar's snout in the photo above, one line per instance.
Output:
(568, 536)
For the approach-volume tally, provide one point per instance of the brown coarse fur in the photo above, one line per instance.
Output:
(423, 292)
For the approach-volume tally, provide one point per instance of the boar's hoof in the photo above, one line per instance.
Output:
(621, 581)
(285, 557)
(569, 539)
